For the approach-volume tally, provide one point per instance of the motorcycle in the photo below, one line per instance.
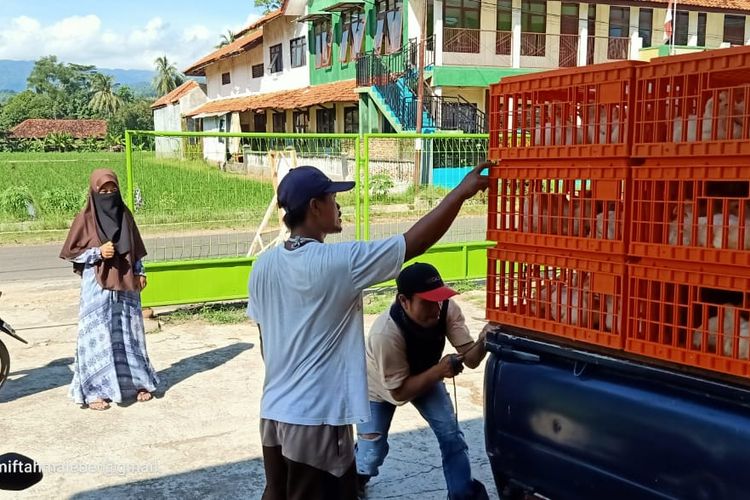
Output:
(17, 472)
(4, 354)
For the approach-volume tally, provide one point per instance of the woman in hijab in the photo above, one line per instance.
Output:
(106, 249)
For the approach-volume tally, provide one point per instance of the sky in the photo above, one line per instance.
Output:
(125, 34)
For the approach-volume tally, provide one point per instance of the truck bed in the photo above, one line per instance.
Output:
(569, 424)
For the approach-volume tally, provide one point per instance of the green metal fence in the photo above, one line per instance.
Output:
(205, 201)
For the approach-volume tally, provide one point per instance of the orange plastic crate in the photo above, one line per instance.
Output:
(569, 113)
(560, 205)
(694, 104)
(695, 211)
(698, 319)
(571, 296)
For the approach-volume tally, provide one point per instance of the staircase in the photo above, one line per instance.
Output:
(392, 83)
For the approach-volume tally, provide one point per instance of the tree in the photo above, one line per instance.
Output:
(104, 100)
(167, 77)
(268, 5)
(227, 38)
(23, 106)
(67, 85)
(125, 93)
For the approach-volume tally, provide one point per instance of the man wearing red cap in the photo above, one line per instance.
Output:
(404, 364)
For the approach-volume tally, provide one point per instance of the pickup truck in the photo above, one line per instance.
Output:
(563, 423)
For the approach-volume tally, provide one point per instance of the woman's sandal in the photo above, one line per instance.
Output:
(99, 405)
(143, 396)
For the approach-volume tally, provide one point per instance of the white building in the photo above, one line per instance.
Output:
(170, 114)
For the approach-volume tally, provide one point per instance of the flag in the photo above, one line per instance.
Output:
(668, 23)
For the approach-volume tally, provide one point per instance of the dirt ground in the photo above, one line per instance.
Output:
(199, 437)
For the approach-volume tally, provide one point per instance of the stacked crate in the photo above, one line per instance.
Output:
(559, 203)
(620, 206)
(690, 231)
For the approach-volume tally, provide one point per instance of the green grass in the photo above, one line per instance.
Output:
(214, 314)
(173, 191)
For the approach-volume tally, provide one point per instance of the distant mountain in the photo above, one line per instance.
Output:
(13, 75)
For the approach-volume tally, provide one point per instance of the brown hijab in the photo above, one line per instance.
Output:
(106, 218)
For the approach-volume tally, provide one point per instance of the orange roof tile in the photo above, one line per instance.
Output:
(270, 16)
(239, 45)
(175, 95)
(79, 129)
(342, 91)
(737, 5)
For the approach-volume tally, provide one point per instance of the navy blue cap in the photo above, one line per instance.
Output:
(302, 184)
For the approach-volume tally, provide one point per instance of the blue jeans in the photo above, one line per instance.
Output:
(436, 408)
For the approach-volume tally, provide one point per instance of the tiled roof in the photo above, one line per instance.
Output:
(239, 45)
(266, 18)
(79, 129)
(713, 4)
(342, 91)
(175, 95)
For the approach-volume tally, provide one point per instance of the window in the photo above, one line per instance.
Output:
(279, 122)
(352, 35)
(225, 79)
(702, 29)
(504, 37)
(257, 71)
(646, 26)
(462, 14)
(533, 27)
(322, 33)
(619, 20)
(680, 27)
(592, 34)
(259, 122)
(301, 121)
(388, 26)
(325, 121)
(277, 61)
(351, 120)
(734, 29)
(298, 49)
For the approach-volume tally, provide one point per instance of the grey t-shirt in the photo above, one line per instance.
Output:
(308, 303)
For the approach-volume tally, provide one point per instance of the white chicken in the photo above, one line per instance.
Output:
(687, 228)
(602, 125)
(692, 129)
(609, 223)
(610, 313)
(723, 119)
(571, 304)
(729, 330)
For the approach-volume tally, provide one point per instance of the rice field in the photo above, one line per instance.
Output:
(43, 191)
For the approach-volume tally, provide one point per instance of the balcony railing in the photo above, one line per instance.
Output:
(534, 44)
(462, 40)
(473, 41)
(618, 48)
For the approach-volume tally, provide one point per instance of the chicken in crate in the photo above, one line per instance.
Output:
(576, 297)
(547, 205)
(568, 113)
(693, 318)
(694, 211)
(694, 105)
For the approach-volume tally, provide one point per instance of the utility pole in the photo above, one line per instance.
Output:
(420, 94)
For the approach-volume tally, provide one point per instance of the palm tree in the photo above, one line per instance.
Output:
(104, 100)
(227, 38)
(167, 77)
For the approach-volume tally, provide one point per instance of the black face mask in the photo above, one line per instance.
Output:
(109, 211)
(424, 346)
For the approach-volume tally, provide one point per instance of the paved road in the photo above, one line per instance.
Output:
(41, 262)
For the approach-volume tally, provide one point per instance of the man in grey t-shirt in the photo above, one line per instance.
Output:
(305, 297)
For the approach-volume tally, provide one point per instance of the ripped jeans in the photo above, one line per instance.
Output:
(436, 408)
